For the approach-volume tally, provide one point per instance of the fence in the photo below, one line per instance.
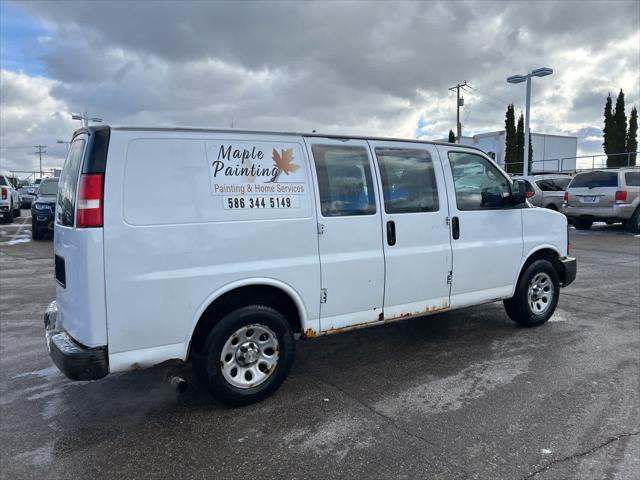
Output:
(574, 164)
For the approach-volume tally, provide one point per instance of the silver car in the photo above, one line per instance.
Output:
(611, 196)
(546, 190)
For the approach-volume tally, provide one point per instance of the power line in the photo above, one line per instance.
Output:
(501, 100)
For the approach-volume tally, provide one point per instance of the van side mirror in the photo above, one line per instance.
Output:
(518, 192)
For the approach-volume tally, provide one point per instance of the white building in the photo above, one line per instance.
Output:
(558, 152)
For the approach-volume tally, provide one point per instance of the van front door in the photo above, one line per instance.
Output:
(486, 230)
(349, 233)
(417, 245)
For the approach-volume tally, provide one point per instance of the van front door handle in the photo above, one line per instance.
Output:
(391, 233)
(455, 228)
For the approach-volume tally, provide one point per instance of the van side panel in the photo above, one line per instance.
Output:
(175, 233)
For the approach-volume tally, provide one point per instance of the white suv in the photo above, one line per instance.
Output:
(9, 199)
(264, 237)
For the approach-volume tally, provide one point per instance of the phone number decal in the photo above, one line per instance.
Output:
(267, 203)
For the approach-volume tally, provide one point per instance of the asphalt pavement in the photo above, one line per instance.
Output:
(463, 394)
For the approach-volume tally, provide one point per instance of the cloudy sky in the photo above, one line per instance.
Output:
(363, 68)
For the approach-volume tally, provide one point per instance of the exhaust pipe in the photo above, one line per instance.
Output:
(178, 383)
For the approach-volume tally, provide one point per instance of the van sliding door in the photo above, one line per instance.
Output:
(349, 233)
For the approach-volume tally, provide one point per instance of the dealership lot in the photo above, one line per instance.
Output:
(465, 394)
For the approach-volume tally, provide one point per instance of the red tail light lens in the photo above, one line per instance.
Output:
(4, 193)
(566, 197)
(621, 196)
(530, 194)
(90, 201)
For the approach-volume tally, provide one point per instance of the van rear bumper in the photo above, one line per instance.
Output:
(76, 361)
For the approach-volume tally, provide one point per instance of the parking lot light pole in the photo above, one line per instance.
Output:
(538, 72)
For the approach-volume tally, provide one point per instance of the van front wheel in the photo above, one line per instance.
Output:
(246, 356)
(536, 295)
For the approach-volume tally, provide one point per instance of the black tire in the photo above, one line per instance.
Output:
(36, 233)
(518, 307)
(633, 224)
(17, 212)
(551, 206)
(207, 362)
(8, 218)
(582, 224)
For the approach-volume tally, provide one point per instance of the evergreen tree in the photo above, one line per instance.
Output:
(632, 140)
(618, 139)
(607, 131)
(511, 146)
(530, 155)
(452, 137)
(520, 139)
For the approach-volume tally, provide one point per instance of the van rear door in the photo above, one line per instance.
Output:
(79, 257)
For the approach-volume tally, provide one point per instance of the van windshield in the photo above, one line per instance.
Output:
(69, 183)
(594, 180)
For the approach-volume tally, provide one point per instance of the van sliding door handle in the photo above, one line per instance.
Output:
(455, 228)
(391, 233)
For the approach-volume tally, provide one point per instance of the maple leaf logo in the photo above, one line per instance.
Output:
(283, 162)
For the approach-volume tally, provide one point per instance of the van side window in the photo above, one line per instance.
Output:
(344, 180)
(408, 180)
(478, 183)
(68, 184)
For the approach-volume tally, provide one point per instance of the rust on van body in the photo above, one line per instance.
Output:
(310, 333)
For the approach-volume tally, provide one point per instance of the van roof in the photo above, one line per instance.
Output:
(267, 132)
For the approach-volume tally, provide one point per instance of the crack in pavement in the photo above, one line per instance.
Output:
(580, 454)
(391, 421)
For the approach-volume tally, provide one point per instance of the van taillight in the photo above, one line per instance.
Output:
(621, 196)
(4, 193)
(566, 197)
(90, 201)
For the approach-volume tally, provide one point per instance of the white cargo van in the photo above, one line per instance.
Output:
(221, 246)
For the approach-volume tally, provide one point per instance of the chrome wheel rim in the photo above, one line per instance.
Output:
(249, 356)
(540, 293)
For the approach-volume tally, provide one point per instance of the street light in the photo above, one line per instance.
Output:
(66, 144)
(538, 72)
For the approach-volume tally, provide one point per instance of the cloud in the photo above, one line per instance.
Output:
(367, 68)
(30, 115)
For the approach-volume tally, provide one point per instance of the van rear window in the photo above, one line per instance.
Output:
(68, 183)
(595, 180)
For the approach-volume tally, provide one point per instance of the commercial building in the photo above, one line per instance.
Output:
(550, 152)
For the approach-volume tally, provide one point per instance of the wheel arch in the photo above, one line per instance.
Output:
(542, 252)
(263, 291)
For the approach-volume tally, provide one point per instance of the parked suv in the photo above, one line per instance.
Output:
(43, 208)
(606, 196)
(270, 235)
(9, 199)
(27, 194)
(546, 190)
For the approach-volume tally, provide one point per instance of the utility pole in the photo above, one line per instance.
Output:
(459, 103)
(84, 118)
(40, 149)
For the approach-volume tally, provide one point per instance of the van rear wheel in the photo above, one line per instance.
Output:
(536, 295)
(246, 356)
